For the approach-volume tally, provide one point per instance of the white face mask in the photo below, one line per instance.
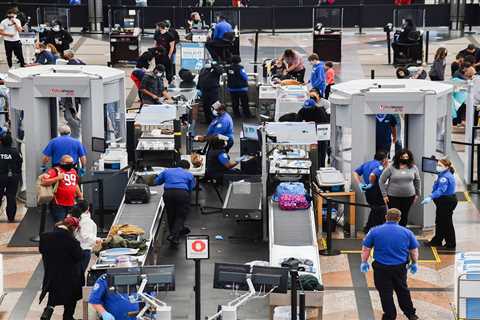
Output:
(159, 74)
(56, 28)
(215, 113)
(440, 169)
(37, 50)
(163, 31)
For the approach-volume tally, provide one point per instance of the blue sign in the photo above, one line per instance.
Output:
(192, 55)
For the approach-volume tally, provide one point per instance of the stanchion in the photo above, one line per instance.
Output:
(197, 289)
(329, 251)
(427, 45)
(255, 53)
(389, 47)
(301, 299)
(372, 74)
(293, 293)
(43, 219)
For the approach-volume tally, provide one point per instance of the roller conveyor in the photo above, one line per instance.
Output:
(291, 228)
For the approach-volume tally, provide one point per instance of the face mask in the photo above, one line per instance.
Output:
(37, 51)
(56, 28)
(196, 20)
(404, 161)
(215, 113)
(314, 98)
(11, 17)
(67, 166)
(441, 169)
(163, 31)
(159, 74)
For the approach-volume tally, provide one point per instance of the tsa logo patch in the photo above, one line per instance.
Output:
(219, 125)
(96, 286)
(443, 180)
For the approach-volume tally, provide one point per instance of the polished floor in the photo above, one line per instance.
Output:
(349, 294)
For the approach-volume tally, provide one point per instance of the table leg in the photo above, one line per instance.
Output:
(197, 190)
(352, 218)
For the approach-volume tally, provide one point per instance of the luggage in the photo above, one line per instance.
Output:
(45, 194)
(293, 202)
(292, 188)
(137, 193)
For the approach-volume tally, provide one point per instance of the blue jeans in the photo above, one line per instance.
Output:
(59, 212)
(86, 254)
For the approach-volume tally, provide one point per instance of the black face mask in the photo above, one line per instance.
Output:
(314, 98)
(67, 166)
(404, 161)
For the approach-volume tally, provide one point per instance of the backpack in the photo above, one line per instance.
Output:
(293, 202)
(45, 194)
(291, 188)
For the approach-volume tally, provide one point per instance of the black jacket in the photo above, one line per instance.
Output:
(10, 160)
(209, 78)
(235, 79)
(63, 37)
(61, 254)
(314, 114)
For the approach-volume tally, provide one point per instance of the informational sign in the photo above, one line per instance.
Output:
(197, 247)
(193, 55)
(323, 132)
(392, 109)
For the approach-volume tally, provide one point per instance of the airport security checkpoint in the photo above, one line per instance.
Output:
(236, 160)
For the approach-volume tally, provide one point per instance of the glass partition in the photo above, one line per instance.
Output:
(231, 16)
(113, 122)
(416, 15)
(59, 14)
(328, 17)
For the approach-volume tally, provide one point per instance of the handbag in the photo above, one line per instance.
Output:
(45, 194)
(293, 202)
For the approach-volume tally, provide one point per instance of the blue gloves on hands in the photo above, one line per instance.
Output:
(365, 187)
(81, 172)
(413, 268)
(107, 316)
(364, 267)
(427, 200)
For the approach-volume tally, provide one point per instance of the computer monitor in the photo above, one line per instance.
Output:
(250, 131)
(98, 145)
(429, 165)
(269, 278)
(231, 276)
(129, 23)
(160, 278)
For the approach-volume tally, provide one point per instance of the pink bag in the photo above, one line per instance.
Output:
(293, 202)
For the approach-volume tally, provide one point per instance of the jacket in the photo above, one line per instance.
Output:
(237, 77)
(61, 254)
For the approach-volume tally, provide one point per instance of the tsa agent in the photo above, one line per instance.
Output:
(222, 124)
(443, 195)
(238, 87)
(218, 161)
(370, 173)
(62, 145)
(10, 174)
(386, 132)
(395, 252)
(178, 183)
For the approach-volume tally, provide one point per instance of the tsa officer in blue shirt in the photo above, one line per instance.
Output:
(393, 246)
(111, 305)
(218, 37)
(62, 145)
(178, 183)
(370, 173)
(218, 162)
(222, 124)
(386, 131)
(443, 195)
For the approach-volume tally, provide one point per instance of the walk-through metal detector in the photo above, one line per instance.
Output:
(426, 109)
(39, 104)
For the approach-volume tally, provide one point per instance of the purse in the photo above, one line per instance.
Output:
(45, 194)
(293, 202)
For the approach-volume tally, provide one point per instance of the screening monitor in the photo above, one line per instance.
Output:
(98, 145)
(231, 276)
(128, 23)
(250, 131)
(269, 278)
(429, 165)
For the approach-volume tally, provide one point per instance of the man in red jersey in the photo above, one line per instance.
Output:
(65, 179)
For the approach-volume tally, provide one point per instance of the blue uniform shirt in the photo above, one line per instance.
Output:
(223, 158)
(444, 185)
(391, 242)
(244, 76)
(221, 125)
(385, 123)
(115, 303)
(317, 78)
(176, 178)
(62, 145)
(220, 29)
(366, 169)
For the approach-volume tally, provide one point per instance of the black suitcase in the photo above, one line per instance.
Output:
(137, 193)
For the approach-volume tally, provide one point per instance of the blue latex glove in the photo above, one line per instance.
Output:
(413, 268)
(107, 316)
(364, 267)
(368, 186)
(362, 186)
(81, 172)
(427, 200)
(44, 168)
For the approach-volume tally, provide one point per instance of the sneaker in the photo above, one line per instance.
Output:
(47, 313)
(185, 231)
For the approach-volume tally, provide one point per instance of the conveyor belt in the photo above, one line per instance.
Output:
(291, 228)
(144, 215)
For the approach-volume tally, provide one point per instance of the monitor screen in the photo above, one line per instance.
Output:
(128, 23)
(229, 276)
(429, 165)
(98, 145)
(269, 278)
(250, 131)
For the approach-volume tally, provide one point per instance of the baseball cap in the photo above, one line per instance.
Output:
(72, 221)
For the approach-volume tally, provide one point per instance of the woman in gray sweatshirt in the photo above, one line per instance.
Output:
(437, 72)
(400, 184)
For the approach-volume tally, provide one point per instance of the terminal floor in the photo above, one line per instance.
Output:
(349, 294)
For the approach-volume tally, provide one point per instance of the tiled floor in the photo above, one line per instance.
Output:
(432, 286)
